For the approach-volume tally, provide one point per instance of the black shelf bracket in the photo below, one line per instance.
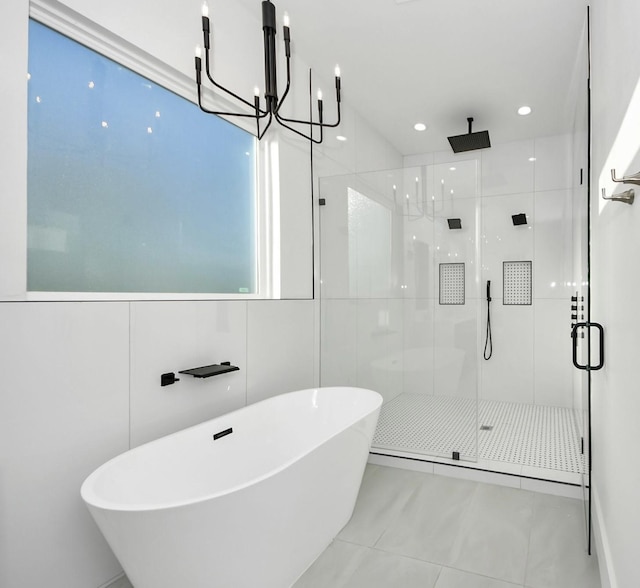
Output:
(168, 379)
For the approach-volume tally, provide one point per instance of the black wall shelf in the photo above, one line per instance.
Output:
(205, 371)
(211, 370)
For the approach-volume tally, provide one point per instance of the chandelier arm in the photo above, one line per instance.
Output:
(281, 102)
(309, 122)
(221, 87)
(260, 135)
(297, 132)
(220, 113)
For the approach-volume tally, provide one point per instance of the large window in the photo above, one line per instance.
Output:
(130, 187)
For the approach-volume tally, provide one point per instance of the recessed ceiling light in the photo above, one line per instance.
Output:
(341, 138)
(452, 169)
(532, 159)
(420, 127)
(524, 110)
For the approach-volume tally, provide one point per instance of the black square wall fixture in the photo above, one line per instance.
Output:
(454, 223)
(519, 219)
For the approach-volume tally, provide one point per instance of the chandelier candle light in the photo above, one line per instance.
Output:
(273, 103)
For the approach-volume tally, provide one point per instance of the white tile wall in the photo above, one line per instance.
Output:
(379, 345)
(457, 245)
(339, 339)
(174, 336)
(502, 241)
(454, 158)
(373, 272)
(456, 349)
(413, 192)
(65, 410)
(508, 375)
(418, 159)
(553, 373)
(419, 349)
(419, 273)
(455, 180)
(506, 169)
(553, 244)
(334, 244)
(296, 269)
(553, 163)
(280, 336)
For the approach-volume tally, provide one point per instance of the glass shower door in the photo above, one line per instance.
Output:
(399, 304)
(581, 341)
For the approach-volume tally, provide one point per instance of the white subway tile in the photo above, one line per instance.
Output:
(174, 336)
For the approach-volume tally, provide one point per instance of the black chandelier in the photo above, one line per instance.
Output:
(273, 103)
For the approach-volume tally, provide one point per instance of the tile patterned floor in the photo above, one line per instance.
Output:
(415, 530)
(539, 436)
(425, 531)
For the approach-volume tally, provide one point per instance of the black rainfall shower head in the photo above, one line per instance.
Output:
(470, 141)
(519, 219)
(454, 223)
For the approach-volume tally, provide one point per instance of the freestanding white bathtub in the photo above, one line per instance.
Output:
(252, 508)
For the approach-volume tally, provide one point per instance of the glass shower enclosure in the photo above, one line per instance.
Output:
(453, 289)
(401, 301)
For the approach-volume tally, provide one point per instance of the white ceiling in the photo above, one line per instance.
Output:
(440, 61)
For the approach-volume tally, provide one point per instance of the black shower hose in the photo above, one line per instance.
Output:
(488, 342)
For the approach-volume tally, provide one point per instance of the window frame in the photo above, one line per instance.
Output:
(98, 39)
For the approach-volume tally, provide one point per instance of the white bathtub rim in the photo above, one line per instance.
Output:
(88, 494)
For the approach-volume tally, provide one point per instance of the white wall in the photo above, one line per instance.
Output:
(80, 380)
(616, 281)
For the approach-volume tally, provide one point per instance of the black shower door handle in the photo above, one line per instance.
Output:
(574, 336)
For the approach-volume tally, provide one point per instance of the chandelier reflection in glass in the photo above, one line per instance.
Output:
(273, 104)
